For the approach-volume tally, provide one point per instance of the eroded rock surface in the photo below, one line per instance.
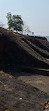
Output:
(20, 53)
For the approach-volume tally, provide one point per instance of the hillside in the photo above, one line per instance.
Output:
(24, 62)
(22, 53)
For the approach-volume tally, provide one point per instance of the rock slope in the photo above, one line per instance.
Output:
(23, 53)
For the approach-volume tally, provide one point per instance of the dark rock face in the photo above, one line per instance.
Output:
(23, 53)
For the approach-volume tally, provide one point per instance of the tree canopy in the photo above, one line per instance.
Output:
(15, 22)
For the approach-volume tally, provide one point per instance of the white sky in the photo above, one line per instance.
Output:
(35, 13)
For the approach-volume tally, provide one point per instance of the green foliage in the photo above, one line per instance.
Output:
(15, 22)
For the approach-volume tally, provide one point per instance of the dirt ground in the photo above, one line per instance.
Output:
(38, 81)
(18, 93)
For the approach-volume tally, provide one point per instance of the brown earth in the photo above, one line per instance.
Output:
(16, 95)
(39, 81)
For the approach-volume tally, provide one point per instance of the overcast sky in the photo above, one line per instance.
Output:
(35, 13)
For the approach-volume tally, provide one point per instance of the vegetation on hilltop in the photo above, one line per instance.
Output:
(15, 22)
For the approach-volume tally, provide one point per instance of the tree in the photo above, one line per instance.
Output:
(15, 22)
